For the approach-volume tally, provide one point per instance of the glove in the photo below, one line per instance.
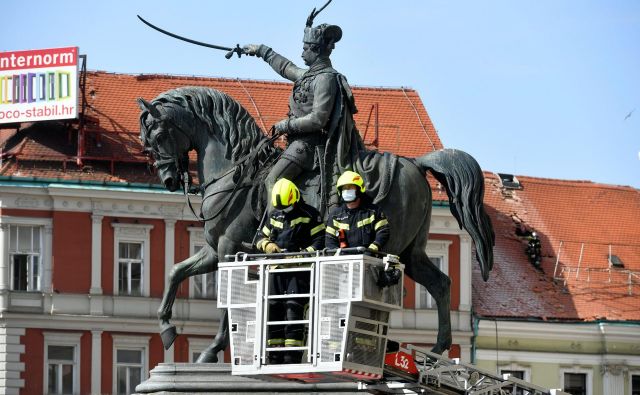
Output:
(271, 248)
(251, 49)
(282, 127)
(373, 247)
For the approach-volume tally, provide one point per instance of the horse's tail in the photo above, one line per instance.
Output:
(463, 180)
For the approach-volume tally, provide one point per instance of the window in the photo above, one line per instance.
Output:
(635, 384)
(203, 286)
(132, 259)
(576, 381)
(130, 266)
(62, 367)
(130, 362)
(197, 345)
(519, 374)
(25, 246)
(129, 365)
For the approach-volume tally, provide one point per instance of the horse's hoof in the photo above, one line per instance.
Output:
(441, 348)
(168, 334)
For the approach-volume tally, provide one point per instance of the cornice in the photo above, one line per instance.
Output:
(561, 331)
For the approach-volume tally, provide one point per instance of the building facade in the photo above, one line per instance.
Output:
(87, 237)
(567, 316)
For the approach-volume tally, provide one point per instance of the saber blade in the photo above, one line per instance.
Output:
(203, 44)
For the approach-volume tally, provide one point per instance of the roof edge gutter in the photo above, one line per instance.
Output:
(42, 180)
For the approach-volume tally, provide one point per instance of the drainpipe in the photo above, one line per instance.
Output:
(475, 323)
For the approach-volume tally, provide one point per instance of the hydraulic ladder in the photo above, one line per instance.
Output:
(435, 374)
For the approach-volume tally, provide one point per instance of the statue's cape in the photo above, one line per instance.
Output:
(345, 150)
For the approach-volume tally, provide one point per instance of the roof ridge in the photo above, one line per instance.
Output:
(250, 80)
(561, 182)
(575, 183)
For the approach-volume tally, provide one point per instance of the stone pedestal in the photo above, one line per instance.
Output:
(216, 378)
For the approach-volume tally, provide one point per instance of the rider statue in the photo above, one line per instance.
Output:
(321, 134)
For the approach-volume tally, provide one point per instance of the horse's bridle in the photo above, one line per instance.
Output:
(183, 172)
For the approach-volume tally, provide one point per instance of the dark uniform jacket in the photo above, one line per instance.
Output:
(363, 226)
(299, 230)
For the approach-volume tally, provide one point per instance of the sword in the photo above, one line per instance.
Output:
(229, 54)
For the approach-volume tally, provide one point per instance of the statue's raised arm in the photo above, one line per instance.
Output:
(316, 104)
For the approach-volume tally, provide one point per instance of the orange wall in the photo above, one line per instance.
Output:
(71, 252)
(454, 267)
(33, 359)
(107, 363)
(454, 274)
(181, 349)
(15, 212)
(182, 250)
(85, 363)
(156, 351)
(107, 256)
(157, 256)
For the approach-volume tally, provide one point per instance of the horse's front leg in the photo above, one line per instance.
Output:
(204, 261)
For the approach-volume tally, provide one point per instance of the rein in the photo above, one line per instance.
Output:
(236, 167)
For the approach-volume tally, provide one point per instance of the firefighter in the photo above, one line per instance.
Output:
(293, 226)
(357, 221)
(534, 250)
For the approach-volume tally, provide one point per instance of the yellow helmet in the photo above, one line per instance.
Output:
(284, 194)
(350, 178)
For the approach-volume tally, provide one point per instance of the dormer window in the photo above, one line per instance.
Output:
(615, 261)
(509, 181)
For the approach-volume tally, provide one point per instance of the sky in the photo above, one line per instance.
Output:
(541, 88)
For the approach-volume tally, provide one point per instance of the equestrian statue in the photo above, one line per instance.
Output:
(237, 164)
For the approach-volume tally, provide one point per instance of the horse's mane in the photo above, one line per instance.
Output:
(188, 105)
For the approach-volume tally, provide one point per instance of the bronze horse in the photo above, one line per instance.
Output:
(234, 157)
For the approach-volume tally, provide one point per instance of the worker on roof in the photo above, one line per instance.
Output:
(293, 226)
(357, 222)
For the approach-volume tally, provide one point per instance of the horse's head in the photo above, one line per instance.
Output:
(166, 140)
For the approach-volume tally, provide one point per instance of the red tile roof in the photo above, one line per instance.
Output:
(404, 125)
(569, 216)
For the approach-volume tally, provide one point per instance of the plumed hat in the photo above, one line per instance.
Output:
(323, 34)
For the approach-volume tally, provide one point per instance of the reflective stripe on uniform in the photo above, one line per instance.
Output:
(381, 223)
(373, 246)
(277, 224)
(331, 231)
(310, 249)
(300, 220)
(266, 231)
(317, 229)
(275, 342)
(340, 225)
(293, 343)
(366, 221)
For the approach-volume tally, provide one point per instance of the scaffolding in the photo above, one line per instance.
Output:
(585, 272)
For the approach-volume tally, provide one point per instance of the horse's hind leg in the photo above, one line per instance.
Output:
(204, 261)
(420, 268)
(220, 342)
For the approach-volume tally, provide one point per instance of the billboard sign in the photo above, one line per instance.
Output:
(38, 85)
